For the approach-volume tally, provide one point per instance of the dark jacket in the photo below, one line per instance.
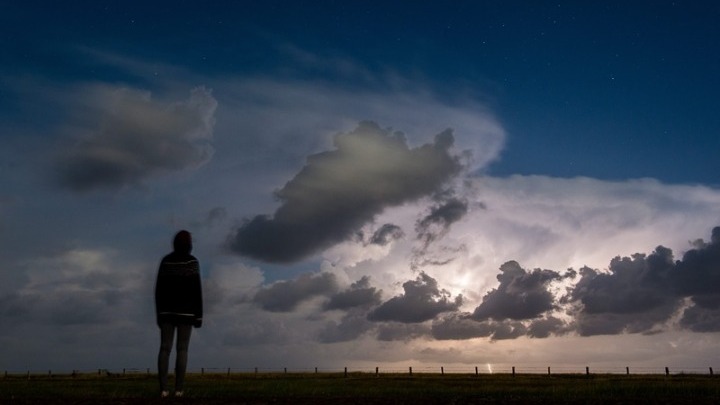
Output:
(178, 290)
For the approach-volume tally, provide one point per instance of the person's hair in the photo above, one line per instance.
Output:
(182, 242)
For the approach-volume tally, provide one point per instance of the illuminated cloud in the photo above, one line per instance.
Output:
(422, 301)
(338, 191)
(520, 295)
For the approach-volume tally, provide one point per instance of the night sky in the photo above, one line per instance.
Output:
(475, 183)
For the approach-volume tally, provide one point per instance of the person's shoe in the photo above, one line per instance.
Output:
(164, 394)
(179, 393)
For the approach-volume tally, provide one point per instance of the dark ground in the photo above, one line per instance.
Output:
(367, 389)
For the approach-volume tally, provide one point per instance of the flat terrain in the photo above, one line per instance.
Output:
(367, 388)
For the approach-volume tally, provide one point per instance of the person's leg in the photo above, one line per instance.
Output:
(183, 342)
(167, 332)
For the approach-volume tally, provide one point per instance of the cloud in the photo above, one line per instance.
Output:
(697, 276)
(352, 326)
(422, 301)
(698, 273)
(433, 227)
(133, 137)
(394, 331)
(285, 296)
(640, 293)
(340, 190)
(543, 328)
(386, 234)
(460, 326)
(520, 295)
(438, 221)
(76, 287)
(360, 294)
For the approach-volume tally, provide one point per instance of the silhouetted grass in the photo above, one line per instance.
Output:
(366, 388)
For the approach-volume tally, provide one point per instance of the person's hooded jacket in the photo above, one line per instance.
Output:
(178, 290)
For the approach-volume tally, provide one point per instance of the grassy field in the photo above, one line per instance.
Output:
(366, 388)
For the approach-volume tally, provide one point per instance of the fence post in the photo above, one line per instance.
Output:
(476, 371)
(548, 370)
(285, 370)
(228, 372)
(411, 371)
(667, 371)
(442, 370)
(587, 370)
(627, 370)
(345, 375)
(711, 372)
(377, 371)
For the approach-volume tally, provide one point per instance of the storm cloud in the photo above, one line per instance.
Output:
(360, 294)
(520, 295)
(285, 296)
(134, 137)
(422, 301)
(438, 221)
(338, 191)
(640, 294)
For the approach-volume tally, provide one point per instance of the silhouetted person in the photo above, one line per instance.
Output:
(178, 307)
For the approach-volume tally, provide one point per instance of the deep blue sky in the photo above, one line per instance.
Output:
(610, 90)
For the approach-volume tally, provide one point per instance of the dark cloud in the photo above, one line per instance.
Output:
(386, 234)
(640, 293)
(136, 137)
(634, 296)
(360, 294)
(437, 223)
(698, 273)
(542, 328)
(394, 331)
(433, 227)
(508, 330)
(340, 190)
(215, 216)
(285, 296)
(697, 276)
(521, 294)
(460, 326)
(353, 325)
(422, 301)
(700, 319)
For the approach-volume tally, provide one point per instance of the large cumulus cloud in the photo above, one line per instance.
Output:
(521, 294)
(423, 300)
(340, 190)
(132, 137)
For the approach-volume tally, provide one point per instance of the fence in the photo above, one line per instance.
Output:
(377, 371)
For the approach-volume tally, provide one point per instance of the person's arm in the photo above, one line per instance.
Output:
(199, 302)
(158, 292)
